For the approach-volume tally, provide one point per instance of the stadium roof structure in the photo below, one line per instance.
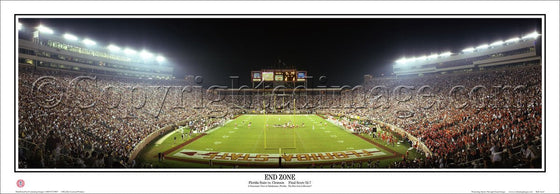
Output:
(499, 51)
(145, 55)
(45, 48)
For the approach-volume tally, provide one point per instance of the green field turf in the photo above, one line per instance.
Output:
(313, 135)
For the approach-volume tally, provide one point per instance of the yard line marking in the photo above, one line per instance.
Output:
(259, 138)
(212, 130)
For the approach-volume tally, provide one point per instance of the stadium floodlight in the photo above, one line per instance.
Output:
(532, 35)
(70, 37)
(45, 29)
(146, 54)
(422, 58)
(516, 39)
(408, 60)
(160, 58)
(468, 50)
(484, 46)
(113, 48)
(129, 51)
(402, 60)
(89, 42)
(497, 43)
(445, 54)
(19, 26)
(433, 56)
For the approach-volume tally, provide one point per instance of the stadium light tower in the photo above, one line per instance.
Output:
(468, 50)
(160, 59)
(512, 40)
(532, 35)
(113, 48)
(484, 46)
(401, 61)
(129, 51)
(497, 43)
(89, 42)
(70, 37)
(445, 54)
(146, 55)
(44, 29)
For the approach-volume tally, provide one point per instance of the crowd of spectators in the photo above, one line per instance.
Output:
(68, 123)
(498, 125)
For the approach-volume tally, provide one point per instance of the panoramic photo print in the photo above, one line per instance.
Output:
(364, 93)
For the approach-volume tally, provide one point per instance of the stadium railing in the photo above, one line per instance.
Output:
(411, 137)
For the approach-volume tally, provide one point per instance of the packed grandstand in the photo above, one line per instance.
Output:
(483, 117)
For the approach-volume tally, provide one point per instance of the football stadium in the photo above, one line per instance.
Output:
(88, 104)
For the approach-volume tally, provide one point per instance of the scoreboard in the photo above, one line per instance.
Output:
(278, 75)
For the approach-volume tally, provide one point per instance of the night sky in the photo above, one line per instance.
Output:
(341, 49)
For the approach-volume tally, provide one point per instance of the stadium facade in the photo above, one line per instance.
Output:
(519, 50)
(42, 48)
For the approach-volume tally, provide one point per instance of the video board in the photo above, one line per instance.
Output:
(268, 76)
(301, 75)
(256, 76)
(278, 75)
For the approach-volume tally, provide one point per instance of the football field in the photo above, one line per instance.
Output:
(267, 141)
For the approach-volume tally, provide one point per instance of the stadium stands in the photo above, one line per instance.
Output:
(502, 119)
(105, 129)
(499, 53)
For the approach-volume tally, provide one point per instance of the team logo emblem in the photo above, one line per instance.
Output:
(20, 183)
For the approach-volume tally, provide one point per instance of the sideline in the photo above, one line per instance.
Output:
(161, 140)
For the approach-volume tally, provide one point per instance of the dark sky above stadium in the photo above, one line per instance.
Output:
(341, 49)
